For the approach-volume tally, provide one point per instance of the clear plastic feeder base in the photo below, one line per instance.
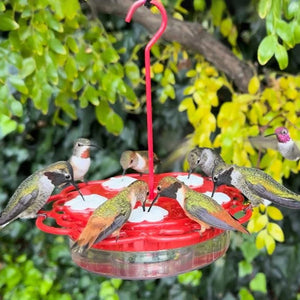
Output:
(161, 243)
(153, 264)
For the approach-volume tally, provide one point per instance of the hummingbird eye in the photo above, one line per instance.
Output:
(215, 178)
(159, 188)
(284, 131)
(68, 176)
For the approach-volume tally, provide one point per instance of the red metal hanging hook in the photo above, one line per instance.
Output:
(154, 39)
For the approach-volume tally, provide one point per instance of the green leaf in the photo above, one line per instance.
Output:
(266, 49)
(199, 5)
(258, 283)
(7, 23)
(226, 26)
(244, 294)
(19, 84)
(16, 108)
(114, 123)
(70, 68)
(217, 9)
(57, 46)
(281, 56)
(249, 250)
(2, 7)
(102, 110)
(6, 125)
(132, 71)
(110, 55)
(264, 8)
(245, 268)
(71, 43)
(284, 30)
(28, 67)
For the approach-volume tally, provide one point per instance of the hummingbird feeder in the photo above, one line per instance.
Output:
(161, 243)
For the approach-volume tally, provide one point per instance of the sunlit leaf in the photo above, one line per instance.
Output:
(266, 49)
(259, 283)
(275, 231)
(274, 213)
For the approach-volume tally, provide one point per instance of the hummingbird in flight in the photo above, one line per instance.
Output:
(205, 159)
(197, 206)
(137, 160)
(33, 193)
(110, 216)
(256, 185)
(280, 140)
(80, 159)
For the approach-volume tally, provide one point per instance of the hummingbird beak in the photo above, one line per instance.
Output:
(77, 189)
(270, 134)
(154, 200)
(214, 189)
(124, 171)
(190, 172)
(143, 206)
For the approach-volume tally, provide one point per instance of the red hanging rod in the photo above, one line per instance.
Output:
(154, 39)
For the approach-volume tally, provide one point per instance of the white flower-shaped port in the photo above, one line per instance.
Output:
(118, 183)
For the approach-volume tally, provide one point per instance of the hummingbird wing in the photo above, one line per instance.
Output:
(295, 152)
(206, 209)
(12, 211)
(262, 192)
(264, 142)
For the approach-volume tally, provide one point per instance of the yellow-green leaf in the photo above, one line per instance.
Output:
(260, 222)
(270, 244)
(274, 213)
(264, 7)
(275, 231)
(253, 85)
(260, 239)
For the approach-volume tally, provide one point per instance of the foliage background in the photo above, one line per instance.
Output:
(65, 74)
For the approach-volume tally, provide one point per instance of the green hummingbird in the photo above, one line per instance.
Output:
(197, 206)
(80, 159)
(256, 185)
(110, 216)
(205, 159)
(137, 160)
(33, 193)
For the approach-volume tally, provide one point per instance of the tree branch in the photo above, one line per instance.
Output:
(190, 35)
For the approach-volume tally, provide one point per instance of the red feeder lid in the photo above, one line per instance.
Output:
(165, 228)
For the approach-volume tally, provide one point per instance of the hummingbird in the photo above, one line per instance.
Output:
(280, 140)
(33, 193)
(80, 159)
(110, 216)
(256, 185)
(197, 206)
(137, 160)
(205, 158)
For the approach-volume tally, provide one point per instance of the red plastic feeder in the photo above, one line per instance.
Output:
(161, 243)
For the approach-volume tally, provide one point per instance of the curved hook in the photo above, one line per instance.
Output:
(154, 39)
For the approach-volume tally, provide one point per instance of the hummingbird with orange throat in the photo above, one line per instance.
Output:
(33, 193)
(280, 140)
(137, 160)
(197, 206)
(80, 159)
(110, 216)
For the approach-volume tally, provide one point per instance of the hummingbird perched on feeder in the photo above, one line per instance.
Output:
(205, 158)
(137, 160)
(80, 159)
(280, 140)
(110, 216)
(33, 193)
(255, 184)
(197, 206)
